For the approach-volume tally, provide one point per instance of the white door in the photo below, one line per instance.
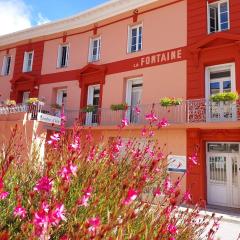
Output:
(223, 174)
(133, 98)
(93, 100)
(220, 79)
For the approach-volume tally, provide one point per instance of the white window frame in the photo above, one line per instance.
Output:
(4, 65)
(25, 61)
(90, 55)
(130, 28)
(219, 67)
(130, 83)
(60, 92)
(59, 58)
(219, 20)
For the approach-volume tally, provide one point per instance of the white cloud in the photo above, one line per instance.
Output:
(41, 19)
(16, 15)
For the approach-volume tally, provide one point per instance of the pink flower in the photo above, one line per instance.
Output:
(3, 195)
(187, 197)
(167, 184)
(163, 123)
(1, 184)
(137, 110)
(194, 159)
(43, 184)
(131, 196)
(172, 229)
(124, 123)
(67, 171)
(156, 192)
(58, 214)
(19, 212)
(144, 131)
(94, 223)
(151, 117)
(85, 198)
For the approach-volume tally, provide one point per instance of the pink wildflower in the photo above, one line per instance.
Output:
(131, 196)
(67, 171)
(194, 159)
(3, 195)
(94, 223)
(172, 229)
(167, 184)
(137, 110)
(187, 197)
(144, 131)
(43, 184)
(124, 123)
(163, 123)
(157, 192)
(85, 198)
(20, 212)
(58, 214)
(151, 117)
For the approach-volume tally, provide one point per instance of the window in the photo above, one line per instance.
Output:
(6, 65)
(25, 96)
(28, 61)
(61, 97)
(135, 39)
(94, 49)
(63, 55)
(218, 16)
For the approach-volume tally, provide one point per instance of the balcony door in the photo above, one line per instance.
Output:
(93, 99)
(133, 98)
(220, 79)
(25, 96)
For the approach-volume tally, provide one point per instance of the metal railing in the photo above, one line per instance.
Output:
(190, 111)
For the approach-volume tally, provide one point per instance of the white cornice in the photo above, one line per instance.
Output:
(91, 16)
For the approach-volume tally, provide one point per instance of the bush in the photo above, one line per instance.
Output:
(166, 101)
(90, 190)
(224, 97)
(117, 107)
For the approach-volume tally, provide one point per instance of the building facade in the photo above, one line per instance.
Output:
(138, 52)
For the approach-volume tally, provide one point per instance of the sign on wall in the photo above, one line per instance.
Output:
(177, 163)
(42, 117)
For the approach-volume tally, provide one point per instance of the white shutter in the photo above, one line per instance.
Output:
(129, 92)
(67, 55)
(25, 62)
(59, 57)
(99, 47)
(4, 66)
(90, 50)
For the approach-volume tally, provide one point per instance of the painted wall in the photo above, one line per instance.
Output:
(160, 81)
(157, 36)
(5, 85)
(48, 91)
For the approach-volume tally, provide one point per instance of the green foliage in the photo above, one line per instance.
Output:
(89, 108)
(224, 97)
(167, 101)
(117, 107)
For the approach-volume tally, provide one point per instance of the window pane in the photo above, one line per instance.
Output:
(224, 26)
(134, 48)
(224, 17)
(227, 86)
(134, 32)
(220, 74)
(95, 43)
(223, 7)
(214, 88)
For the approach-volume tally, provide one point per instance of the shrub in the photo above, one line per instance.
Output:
(166, 101)
(90, 190)
(224, 97)
(117, 107)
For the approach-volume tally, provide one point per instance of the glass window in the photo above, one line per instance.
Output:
(28, 61)
(95, 45)
(223, 147)
(218, 16)
(135, 38)
(63, 55)
(6, 65)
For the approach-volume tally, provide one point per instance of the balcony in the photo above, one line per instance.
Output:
(189, 112)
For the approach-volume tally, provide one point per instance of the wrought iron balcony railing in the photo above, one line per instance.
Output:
(190, 111)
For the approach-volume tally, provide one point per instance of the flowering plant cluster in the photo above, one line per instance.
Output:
(90, 190)
(117, 107)
(10, 103)
(224, 97)
(170, 101)
(33, 101)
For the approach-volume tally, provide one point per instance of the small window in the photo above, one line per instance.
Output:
(218, 16)
(63, 55)
(6, 65)
(94, 49)
(61, 97)
(135, 39)
(28, 61)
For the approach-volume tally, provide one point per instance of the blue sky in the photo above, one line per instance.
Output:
(57, 9)
(17, 15)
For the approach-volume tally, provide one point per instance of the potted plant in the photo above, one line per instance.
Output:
(89, 108)
(170, 101)
(118, 107)
(32, 101)
(56, 106)
(10, 103)
(225, 97)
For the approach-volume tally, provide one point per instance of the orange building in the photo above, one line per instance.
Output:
(137, 52)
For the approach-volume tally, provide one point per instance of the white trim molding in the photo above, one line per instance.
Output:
(85, 18)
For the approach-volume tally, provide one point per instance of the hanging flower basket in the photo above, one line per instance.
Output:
(225, 97)
(167, 101)
(118, 107)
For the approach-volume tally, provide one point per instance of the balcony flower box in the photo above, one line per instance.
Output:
(225, 97)
(56, 106)
(89, 109)
(118, 107)
(10, 103)
(167, 101)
